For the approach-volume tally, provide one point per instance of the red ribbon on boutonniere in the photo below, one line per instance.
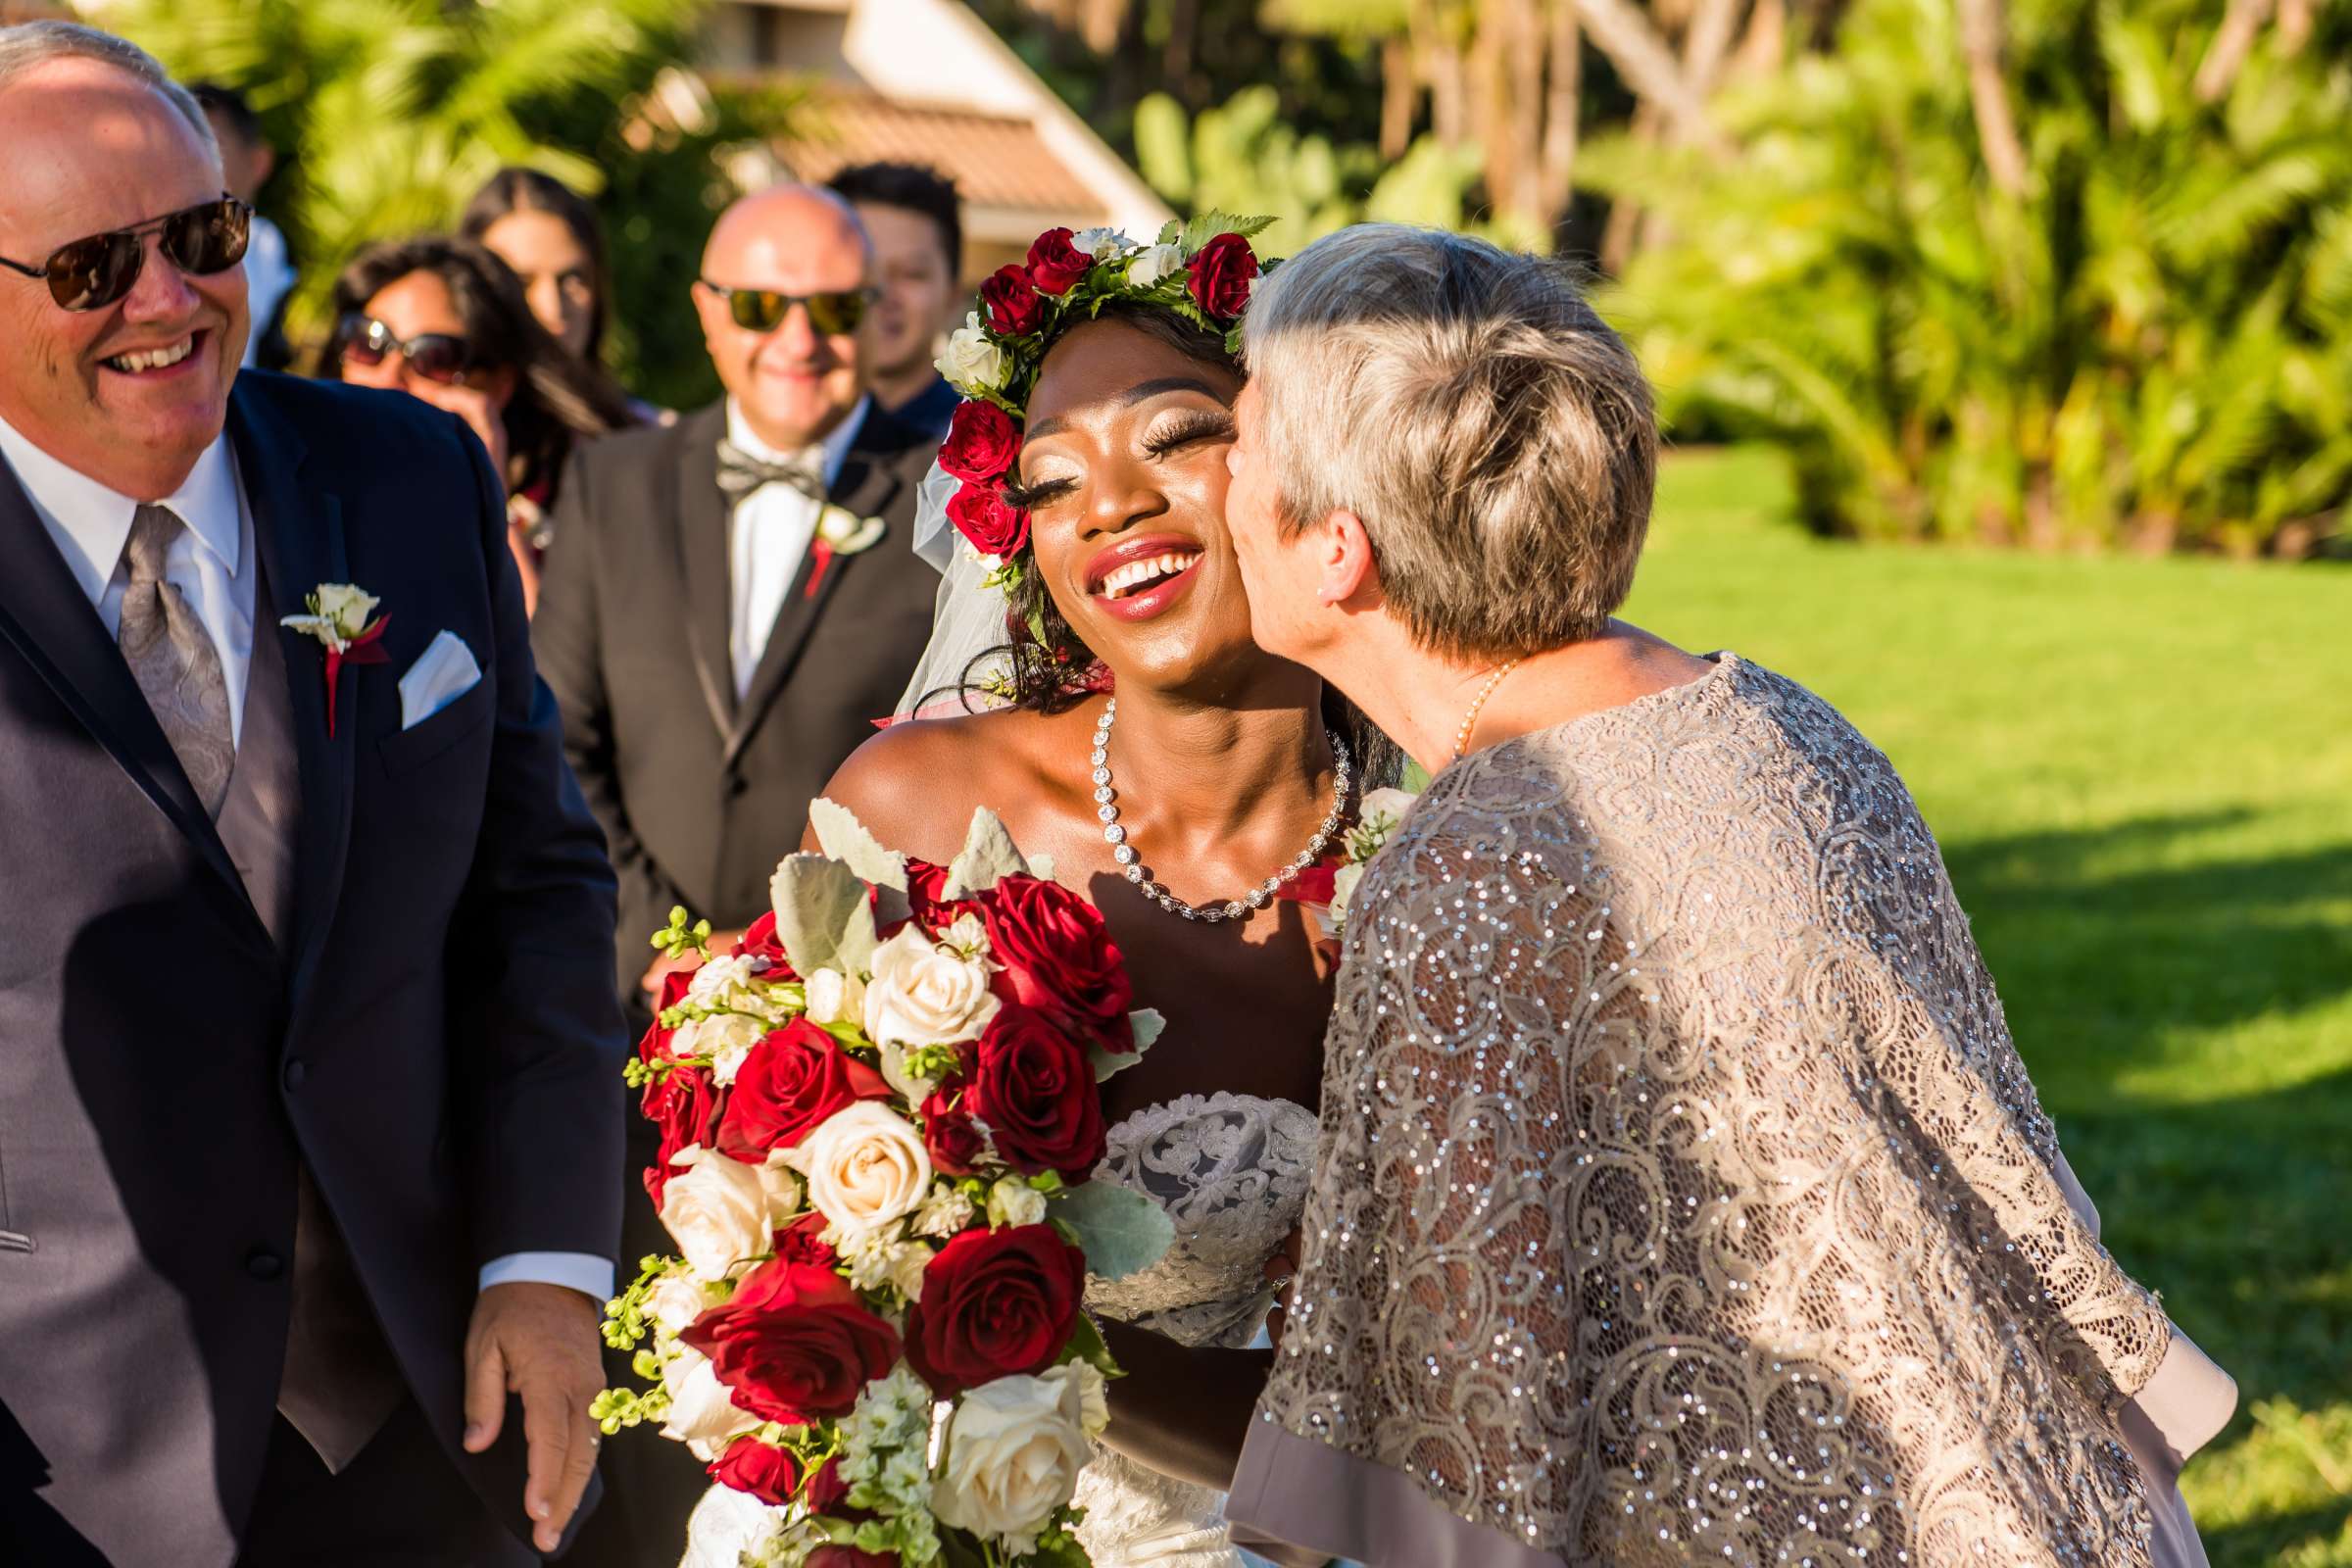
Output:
(339, 618)
(839, 532)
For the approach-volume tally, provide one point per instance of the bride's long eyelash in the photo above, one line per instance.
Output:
(1198, 424)
(1029, 497)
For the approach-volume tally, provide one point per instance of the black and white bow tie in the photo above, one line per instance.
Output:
(740, 473)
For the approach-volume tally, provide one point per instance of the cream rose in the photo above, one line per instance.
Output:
(1014, 1202)
(723, 1214)
(924, 994)
(346, 606)
(675, 1302)
(866, 1167)
(971, 362)
(835, 998)
(703, 1415)
(1015, 1447)
(1151, 265)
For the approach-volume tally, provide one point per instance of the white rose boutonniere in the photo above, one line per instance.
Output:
(339, 618)
(839, 532)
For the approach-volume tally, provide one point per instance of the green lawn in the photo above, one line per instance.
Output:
(2141, 774)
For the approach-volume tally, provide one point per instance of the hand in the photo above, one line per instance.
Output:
(1279, 1270)
(538, 1340)
(664, 965)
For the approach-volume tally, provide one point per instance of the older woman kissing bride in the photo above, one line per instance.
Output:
(1682, 1195)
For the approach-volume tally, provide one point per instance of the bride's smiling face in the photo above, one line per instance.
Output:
(1123, 473)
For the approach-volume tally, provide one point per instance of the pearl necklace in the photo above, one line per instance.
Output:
(1461, 737)
(1133, 868)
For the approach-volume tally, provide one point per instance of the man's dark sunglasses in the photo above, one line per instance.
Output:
(761, 309)
(89, 275)
(434, 356)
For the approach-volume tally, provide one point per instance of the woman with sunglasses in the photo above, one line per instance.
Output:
(445, 320)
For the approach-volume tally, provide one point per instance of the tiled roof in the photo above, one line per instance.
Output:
(996, 160)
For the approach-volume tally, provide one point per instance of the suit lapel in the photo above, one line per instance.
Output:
(298, 528)
(45, 616)
(704, 560)
(865, 487)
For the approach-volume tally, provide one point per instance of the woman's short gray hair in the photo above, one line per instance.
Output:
(1497, 438)
(27, 45)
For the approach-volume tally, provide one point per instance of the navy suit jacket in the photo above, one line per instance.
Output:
(439, 1041)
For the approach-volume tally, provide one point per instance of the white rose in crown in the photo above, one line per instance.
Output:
(972, 363)
(1154, 263)
(866, 1166)
(1101, 243)
(1015, 1450)
(722, 1213)
(703, 1414)
(925, 995)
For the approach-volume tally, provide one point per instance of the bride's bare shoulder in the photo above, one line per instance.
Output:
(915, 784)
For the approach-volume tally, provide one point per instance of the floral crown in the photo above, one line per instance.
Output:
(1203, 272)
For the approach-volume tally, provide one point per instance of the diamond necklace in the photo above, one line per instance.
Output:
(1133, 868)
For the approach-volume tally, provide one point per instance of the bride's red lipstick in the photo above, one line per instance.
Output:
(1146, 546)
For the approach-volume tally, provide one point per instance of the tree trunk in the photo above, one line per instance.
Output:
(1625, 213)
(2231, 42)
(1982, 34)
(1761, 49)
(2296, 18)
(1623, 33)
(1563, 106)
(1527, 112)
(1400, 95)
(1707, 42)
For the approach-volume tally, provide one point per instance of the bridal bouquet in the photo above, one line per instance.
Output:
(878, 1118)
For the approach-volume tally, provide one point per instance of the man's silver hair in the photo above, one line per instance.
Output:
(28, 45)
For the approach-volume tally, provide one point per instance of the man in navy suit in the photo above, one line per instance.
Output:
(307, 1042)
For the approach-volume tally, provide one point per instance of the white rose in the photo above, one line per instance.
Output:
(835, 998)
(722, 1213)
(1101, 243)
(1015, 1450)
(924, 994)
(866, 1167)
(701, 1413)
(1152, 265)
(971, 362)
(1014, 1202)
(675, 1302)
(1342, 888)
(346, 606)
(943, 1213)
(1384, 804)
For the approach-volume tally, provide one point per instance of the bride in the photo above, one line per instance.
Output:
(1216, 775)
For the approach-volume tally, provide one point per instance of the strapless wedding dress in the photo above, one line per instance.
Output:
(1231, 1171)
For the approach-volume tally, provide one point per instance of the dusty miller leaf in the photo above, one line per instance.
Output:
(844, 838)
(822, 917)
(988, 855)
(1122, 1231)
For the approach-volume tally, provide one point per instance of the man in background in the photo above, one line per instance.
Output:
(729, 603)
(248, 160)
(917, 227)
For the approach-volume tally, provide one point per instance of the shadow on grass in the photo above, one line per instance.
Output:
(2110, 959)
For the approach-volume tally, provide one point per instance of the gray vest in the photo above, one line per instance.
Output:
(341, 1382)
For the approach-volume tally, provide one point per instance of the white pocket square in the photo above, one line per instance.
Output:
(442, 673)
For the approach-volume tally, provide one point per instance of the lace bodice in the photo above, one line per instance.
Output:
(1683, 1197)
(1231, 1170)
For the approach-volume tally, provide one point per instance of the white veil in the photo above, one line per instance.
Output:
(968, 618)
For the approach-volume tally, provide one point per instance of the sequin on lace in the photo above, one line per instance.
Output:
(1683, 1197)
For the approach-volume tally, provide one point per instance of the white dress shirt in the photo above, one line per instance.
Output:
(212, 563)
(769, 534)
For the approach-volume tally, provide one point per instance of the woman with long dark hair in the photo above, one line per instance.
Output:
(445, 320)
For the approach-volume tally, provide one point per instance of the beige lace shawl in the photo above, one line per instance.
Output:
(1682, 1194)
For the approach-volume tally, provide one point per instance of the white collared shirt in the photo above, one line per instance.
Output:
(212, 563)
(769, 534)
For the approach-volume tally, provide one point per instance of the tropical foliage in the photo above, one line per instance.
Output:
(389, 114)
(2133, 323)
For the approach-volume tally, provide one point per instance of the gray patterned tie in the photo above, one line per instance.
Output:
(172, 658)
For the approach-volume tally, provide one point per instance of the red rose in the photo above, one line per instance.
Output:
(1013, 306)
(827, 1493)
(684, 1103)
(1055, 264)
(995, 1303)
(795, 1344)
(1317, 884)
(836, 1555)
(955, 1146)
(767, 1473)
(981, 515)
(803, 1242)
(758, 941)
(1058, 956)
(982, 443)
(793, 1080)
(1220, 275)
(1035, 1090)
